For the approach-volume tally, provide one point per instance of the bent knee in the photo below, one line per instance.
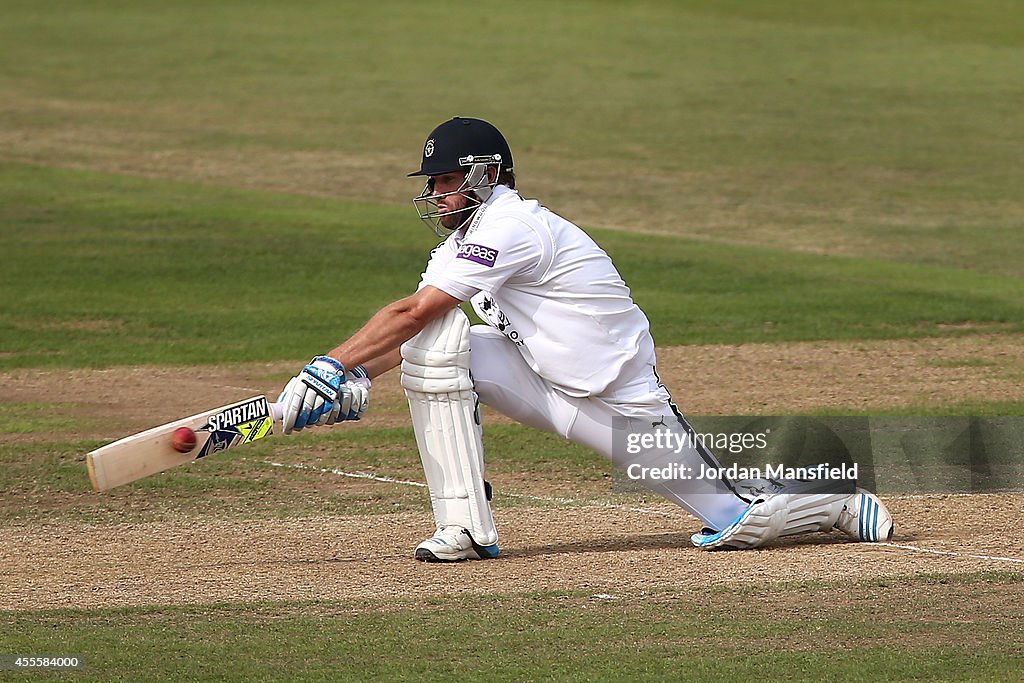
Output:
(494, 360)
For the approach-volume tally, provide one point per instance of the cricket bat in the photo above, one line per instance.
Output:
(152, 451)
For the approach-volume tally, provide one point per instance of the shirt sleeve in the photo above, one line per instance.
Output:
(500, 250)
(440, 256)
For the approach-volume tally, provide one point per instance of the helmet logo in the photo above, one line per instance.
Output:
(428, 149)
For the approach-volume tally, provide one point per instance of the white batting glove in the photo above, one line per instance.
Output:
(358, 382)
(324, 393)
(316, 395)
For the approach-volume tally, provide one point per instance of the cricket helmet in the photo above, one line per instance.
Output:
(459, 143)
(473, 146)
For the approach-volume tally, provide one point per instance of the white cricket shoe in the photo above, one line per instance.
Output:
(453, 543)
(865, 518)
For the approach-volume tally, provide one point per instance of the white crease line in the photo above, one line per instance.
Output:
(353, 475)
(506, 494)
(950, 553)
(935, 496)
(615, 506)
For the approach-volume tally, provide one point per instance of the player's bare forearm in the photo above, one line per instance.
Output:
(376, 343)
(378, 338)
(375, 367)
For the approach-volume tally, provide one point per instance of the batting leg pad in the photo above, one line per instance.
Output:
(446, 419)
(780, 514)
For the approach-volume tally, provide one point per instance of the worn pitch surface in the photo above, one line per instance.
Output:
(588, 545)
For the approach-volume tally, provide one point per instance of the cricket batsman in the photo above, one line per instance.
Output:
(565, 349)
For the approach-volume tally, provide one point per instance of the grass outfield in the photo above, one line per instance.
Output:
(882, 129)
(107, 270)
(183, 187)
(668, 635)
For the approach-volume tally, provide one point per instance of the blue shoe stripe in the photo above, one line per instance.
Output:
(861, 516)
(874, 521)
(868, 521)
(873, 528)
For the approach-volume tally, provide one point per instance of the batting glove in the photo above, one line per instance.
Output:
(357, 382)
(315, 396)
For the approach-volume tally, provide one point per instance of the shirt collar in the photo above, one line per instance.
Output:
(498, 194)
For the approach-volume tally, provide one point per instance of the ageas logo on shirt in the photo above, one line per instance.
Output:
(485, 256)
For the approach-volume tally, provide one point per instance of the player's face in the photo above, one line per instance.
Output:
(451, 203)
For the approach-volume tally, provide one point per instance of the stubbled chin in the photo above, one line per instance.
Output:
(451, 221)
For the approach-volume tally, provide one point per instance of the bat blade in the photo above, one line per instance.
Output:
(146, 453)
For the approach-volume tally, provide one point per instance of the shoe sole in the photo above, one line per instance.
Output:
(425, 555)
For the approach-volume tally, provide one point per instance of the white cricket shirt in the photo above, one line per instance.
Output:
(547, 285)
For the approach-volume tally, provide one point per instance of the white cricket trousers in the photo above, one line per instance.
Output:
(505, 382)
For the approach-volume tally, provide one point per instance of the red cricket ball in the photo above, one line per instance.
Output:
(183, 440)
